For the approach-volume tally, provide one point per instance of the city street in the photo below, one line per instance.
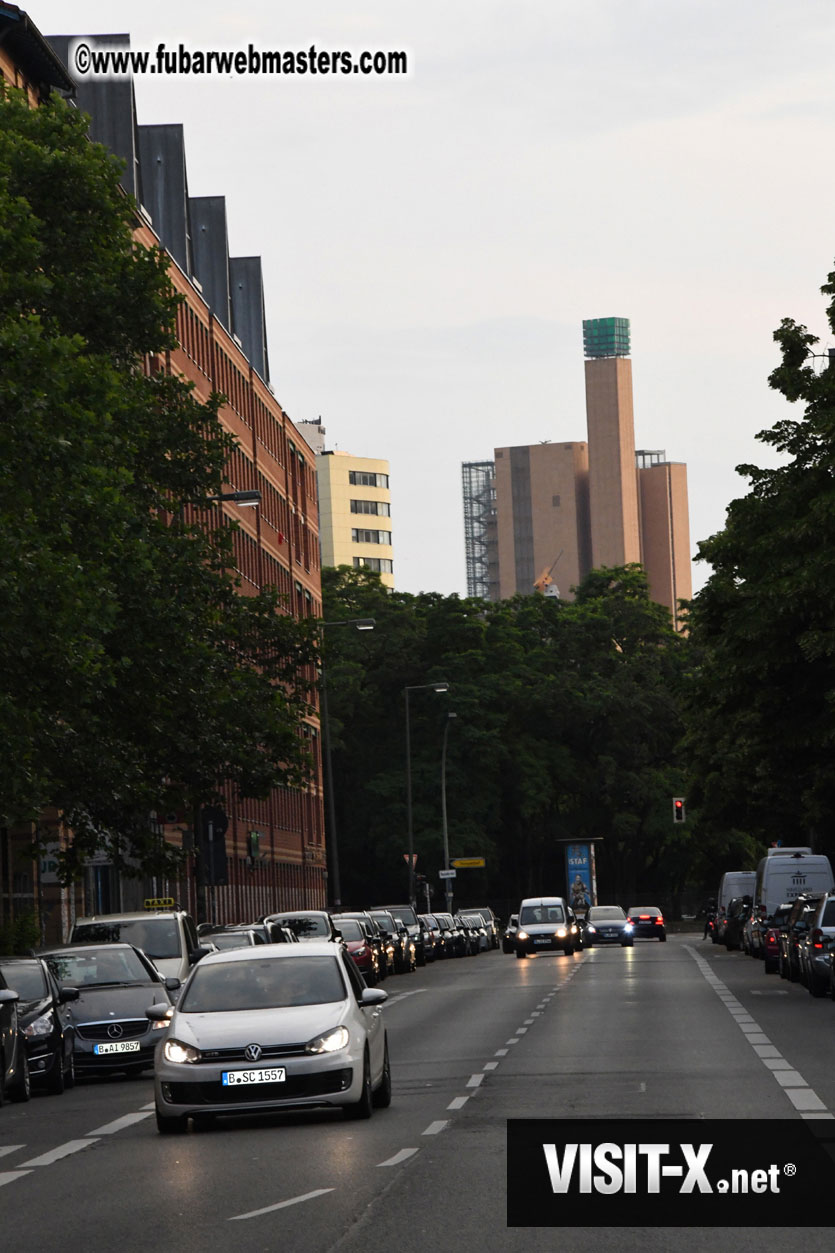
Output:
(676, 1030)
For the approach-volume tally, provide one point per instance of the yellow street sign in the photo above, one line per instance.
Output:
(467, 863)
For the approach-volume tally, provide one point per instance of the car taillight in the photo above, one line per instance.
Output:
(659, 922)
(817, 938)
(644, 917)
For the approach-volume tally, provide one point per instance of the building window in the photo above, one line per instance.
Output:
(379, 507)
(555, 501)
(361, 478)
(370, 537)
(380, 564)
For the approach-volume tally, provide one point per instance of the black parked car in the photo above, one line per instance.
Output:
(116, 983)
(739, 911)
(793, 934)
(45, 1021)
(405, 957)
(14, 1067)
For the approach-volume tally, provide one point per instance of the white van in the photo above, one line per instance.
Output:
(735, 883)
(783, 875)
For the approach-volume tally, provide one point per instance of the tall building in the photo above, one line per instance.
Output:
(561, 509)
(355, 513)
(221, 347)
(542, 522)
(613, 484)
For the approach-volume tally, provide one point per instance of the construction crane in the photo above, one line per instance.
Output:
(545, 584)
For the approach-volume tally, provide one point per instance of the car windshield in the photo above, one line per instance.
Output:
(532, 914)
(404, 914)
(605, 913)
(277, 983)
(647, 910)
(98, 967)
(309, 928)
(27, 980)
(158, 937)
(350, 929)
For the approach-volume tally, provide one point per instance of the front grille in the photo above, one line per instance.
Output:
(267, 1051)
(131, 1029)
(296, 1088)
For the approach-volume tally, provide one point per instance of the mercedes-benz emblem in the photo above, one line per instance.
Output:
(114, 1031)
(252, 1052)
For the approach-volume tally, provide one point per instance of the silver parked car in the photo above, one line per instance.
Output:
(285, 1026)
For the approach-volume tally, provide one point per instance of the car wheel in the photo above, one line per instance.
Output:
(363, 1108)
(23, 1088)
(627, 944)
(171, 1126)
(569, 950)
(57, 1079)
(382, 1097)
(770, 966)
(663, 937)
(520, 952)
(793, 974)
(69, 1073)
(816, 986)
(204, 1122)
(3, 1073)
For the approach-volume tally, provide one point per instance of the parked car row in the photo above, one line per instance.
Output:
(81, 1008)
(796, 940)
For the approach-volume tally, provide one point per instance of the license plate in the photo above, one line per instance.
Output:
(546, 940)
(119, 1046)
(229, 1078)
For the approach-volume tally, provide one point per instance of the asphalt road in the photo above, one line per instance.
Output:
(676, 1030)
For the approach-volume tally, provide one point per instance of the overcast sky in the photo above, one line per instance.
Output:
(432, 243)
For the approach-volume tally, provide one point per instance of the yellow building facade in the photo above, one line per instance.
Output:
(355, 513)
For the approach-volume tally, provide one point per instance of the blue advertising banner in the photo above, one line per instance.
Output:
(579, 875)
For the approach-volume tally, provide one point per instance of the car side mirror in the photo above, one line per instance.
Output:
(172, 983)
(337, 934)
(373, 996)
(68, 994)
(197, 953)
(7, 996)
(158, 1012)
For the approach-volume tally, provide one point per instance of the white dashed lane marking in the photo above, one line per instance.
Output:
(458, 1102)
(119, 1124)
(402, 1156)
(268, 1209)
(5, 1149)
(435, 1127)
(474, 1081)
(63, 1150)
(803, 1098)
(9, 1176)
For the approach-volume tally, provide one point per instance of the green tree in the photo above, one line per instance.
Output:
(135, 676)
(761, 706)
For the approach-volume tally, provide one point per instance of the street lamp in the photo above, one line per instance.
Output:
(420, 687)
(447, 880)
(361, 624)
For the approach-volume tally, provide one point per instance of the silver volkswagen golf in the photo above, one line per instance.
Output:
(283, 1026)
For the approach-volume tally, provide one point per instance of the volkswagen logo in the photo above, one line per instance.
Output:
(114, 1031)
(252, 1052)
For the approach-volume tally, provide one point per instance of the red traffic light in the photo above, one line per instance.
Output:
(678, 809)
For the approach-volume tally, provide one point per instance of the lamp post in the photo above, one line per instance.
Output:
(243, 499)
(447, 881)
(419, 687)
(361, 624)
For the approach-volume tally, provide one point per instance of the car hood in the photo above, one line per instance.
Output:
(99, 1004)
(292, 1025)
(609, 922)
(545, 928)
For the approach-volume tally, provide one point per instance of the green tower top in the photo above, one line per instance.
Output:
(606, 337)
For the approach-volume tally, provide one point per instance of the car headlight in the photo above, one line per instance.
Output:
(161, 1025)
(561, 934)
(329, 1042)
(174, 1051)
(40, 1026)
(521, 935)
(592, 930)
(627, 926)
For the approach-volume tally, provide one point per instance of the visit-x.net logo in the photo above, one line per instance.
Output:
(659, 1173)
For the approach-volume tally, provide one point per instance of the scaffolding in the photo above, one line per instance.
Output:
(479, 489)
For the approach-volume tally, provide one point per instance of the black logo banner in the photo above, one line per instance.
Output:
(669, 1173)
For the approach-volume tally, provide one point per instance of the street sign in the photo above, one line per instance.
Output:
(446, 874)
(414, 859)
(467, 863)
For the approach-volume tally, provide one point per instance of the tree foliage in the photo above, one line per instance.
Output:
(135, 675)
(566, 728)
(762, 703)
